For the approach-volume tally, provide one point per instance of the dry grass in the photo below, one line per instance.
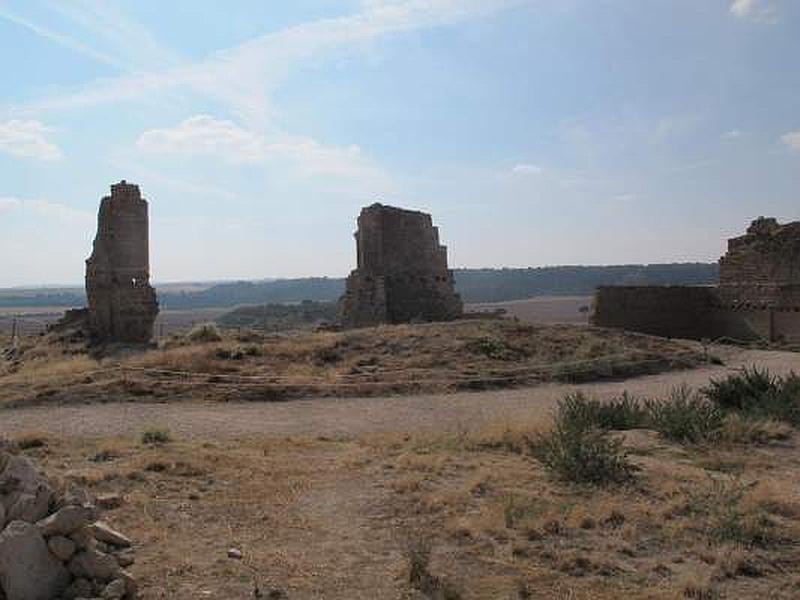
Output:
(391, 359)
(466, 515)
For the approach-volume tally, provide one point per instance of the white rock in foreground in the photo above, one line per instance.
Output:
(104, 533)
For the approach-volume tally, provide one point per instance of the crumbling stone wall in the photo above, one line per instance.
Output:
(762, 268)
(122, 303)
(758, 296)
(402, 273)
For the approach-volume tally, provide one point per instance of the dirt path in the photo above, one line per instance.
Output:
(354, 416)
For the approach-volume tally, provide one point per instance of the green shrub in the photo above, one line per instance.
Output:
(625, 412)
(742, 390)
(685, 417)
(155, 436)
(577, 452)
(758, 393)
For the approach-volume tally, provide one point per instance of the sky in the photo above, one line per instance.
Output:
(536, 132)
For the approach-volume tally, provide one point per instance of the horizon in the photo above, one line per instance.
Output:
(213, 282)
(535, 132)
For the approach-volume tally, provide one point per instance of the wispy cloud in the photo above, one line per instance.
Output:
(117, 40)
(203, 135)
(759, 10)
(792, 140)
(243, 76)
(526, 169)
(732, 134)
(61, 39)
(47, 209)
(26, 138)
(131, 43)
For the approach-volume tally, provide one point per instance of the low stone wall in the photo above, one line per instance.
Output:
(691, 313)
(667, 311)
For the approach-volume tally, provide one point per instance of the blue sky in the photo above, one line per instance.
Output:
(537, 132)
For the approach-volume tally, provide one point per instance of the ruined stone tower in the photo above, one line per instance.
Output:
(122, 303)
(762, 268)
(402, 272)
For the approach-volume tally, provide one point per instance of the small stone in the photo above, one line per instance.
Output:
(62, 548)
(131, 586)
(104, 533)
(235, 553)
(125, 558)
(109, 501)
(92, 564)
(83, 538)
(66, 521)
(79, 588)
(115, 590)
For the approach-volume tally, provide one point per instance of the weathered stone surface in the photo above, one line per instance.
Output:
(24, 491)
(122, 303)
(65, 521)
(79, 588)
(402, 273)
(83, 538)
(103, 532)
(28, 571)
(2, 516)
(131, 586)
(93, 564)
(114, 590)
(62, 548)
(762, 268)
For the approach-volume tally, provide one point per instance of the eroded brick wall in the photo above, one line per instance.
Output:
(762, 268)
(122, 303)
(402, 272)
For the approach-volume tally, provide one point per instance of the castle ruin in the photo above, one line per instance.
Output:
(122, 303)
(758, 296)
(402, 273)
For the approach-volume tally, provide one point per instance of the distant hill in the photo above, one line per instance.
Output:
(474, 285)
(499, 285)
(280, 317)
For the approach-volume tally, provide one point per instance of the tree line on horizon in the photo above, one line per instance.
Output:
(474, 285)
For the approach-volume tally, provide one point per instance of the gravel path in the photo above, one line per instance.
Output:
(353, 416)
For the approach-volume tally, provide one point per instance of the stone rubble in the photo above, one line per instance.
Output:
(52, 545)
